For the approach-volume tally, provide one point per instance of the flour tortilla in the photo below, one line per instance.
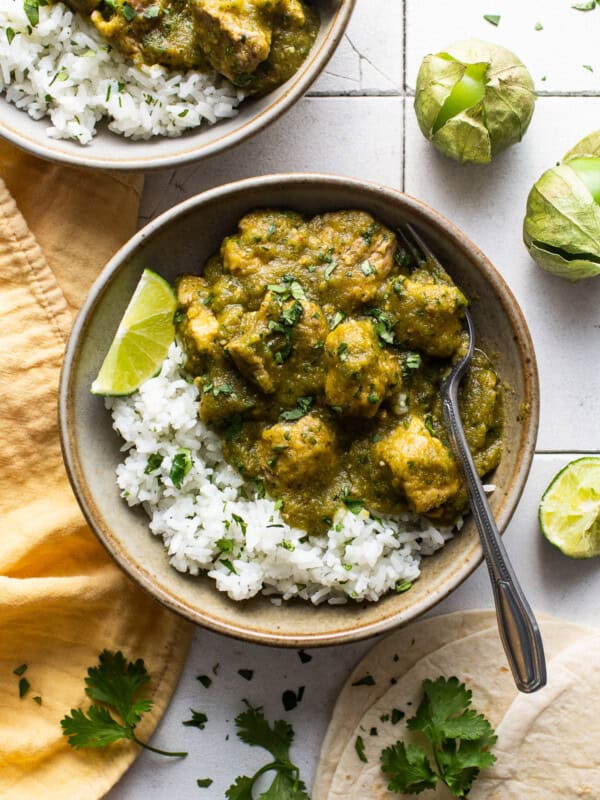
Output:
(389, 660)
(548, 743)
(479, 661)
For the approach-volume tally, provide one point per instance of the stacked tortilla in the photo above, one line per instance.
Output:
(546, 748)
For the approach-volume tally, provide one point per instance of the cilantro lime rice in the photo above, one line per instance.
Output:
(61, 68)
(212, 521)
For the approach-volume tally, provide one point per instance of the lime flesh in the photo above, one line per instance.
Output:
(569, 512)
(588, 169)
(469, 90)
(142, 338)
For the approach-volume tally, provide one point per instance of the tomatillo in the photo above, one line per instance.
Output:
(588, 170)
(562, 224)
(473, 100)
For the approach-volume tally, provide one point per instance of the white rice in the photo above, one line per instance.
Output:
(361, 557)
(63, 69)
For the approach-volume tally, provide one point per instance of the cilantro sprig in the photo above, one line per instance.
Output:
(255, 730)
(459, 738)
(114, 683)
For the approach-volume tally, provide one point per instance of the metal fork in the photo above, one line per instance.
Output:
(519, 631)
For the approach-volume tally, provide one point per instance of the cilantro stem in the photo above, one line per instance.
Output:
(155, 749)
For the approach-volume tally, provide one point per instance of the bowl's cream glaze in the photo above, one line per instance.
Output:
(111, 151)
(180, 241)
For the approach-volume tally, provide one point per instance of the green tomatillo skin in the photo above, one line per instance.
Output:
(561, 229)
(473, 100)
(469, 91)
(588, 170)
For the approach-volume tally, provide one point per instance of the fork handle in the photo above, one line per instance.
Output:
(519, 631)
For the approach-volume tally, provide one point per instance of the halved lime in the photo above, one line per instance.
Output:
(569, 512)
(142, 338)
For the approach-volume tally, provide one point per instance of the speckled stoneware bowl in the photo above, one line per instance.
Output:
(180, 241)
(109, 151)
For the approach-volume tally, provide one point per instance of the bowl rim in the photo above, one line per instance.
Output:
(295, 88)
(245, 631)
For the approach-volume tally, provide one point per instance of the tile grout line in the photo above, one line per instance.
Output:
(409, 93)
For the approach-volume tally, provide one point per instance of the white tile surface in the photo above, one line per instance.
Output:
(569, 38)
(363, 136)
(369, 59)
(359, 137)
(488, 203)
(555, 585)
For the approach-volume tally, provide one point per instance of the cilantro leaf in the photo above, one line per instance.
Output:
(198, 720)
(285, 787)
(436, 714)
(96, 729)
(460, 737)
(408, 768)
(113, 682)
(253, 729)
(241, 789)
(462, 765)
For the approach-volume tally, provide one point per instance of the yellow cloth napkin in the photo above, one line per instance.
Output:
(62, 599)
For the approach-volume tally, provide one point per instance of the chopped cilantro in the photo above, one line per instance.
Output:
(153, 463)
(329, 270)
(368, 680)
(587, 5)
(304, 656)
(204, 783)
(290, 699)
(538, 26)
(338, 317)
(242, 524)
(128, 12)
(303, 406)
(397, 716)
(10, 35)
(493, 19)
(24, 687)
(205, 680)
(197, 720)
(229, 565)
(359, 746)
(247, 674)
(403, 586)
(32, 11)
(180, 466)
(367, 269)
(342, 351)
(353, 504)
(20, 670)
(37, 699)
(412, 361)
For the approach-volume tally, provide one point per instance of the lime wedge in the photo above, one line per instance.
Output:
(142, 338)
(569, 512)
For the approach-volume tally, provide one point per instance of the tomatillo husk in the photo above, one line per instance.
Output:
(474, 100)
(562, 223)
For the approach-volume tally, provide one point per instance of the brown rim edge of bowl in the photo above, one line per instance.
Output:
(246, 632)
(295, 89)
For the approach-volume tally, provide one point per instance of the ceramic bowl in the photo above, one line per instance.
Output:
(180, 241)
(110, 151)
